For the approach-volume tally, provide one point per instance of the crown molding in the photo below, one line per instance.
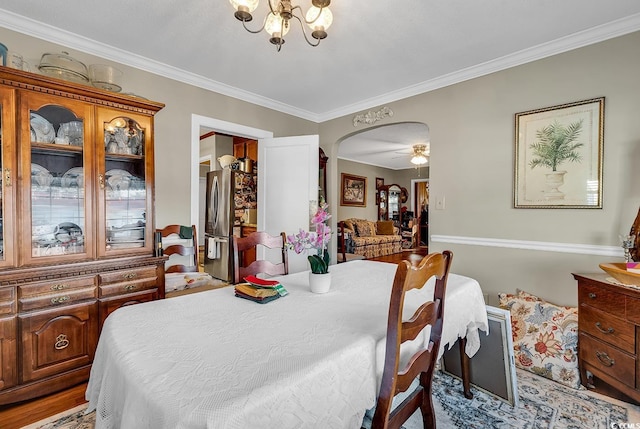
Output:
(65, 38)
(53, 34)
(591, 36)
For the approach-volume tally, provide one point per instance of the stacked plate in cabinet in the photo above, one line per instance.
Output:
(41, 130)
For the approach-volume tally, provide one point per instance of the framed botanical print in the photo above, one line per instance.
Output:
(353, 191)
(558, 156)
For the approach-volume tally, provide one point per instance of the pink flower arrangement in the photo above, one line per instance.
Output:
(304, 240)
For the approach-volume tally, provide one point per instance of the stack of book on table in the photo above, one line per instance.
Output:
(260, 290)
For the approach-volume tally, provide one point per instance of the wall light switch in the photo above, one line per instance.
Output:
(439, 203)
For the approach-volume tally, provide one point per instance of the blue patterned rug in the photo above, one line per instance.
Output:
(543, 404)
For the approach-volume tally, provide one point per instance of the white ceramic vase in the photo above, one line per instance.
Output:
(320, 283)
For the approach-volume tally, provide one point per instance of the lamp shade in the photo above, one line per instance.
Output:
(244, 5)
(322, 18)
(275, 27)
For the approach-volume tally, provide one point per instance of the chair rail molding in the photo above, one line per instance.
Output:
(583, 249)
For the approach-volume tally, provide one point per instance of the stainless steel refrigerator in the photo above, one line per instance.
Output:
(219, 221)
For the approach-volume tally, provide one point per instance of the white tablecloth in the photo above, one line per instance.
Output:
(211, 360)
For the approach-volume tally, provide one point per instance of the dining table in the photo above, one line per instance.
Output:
(305, 360)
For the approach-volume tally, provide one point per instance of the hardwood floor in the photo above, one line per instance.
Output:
(25, 413)
(17, 416)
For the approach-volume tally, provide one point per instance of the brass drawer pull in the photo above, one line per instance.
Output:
(129, 287)
(60, 299)
(58, 287)
(62, 342)
(592, 295)
(609, 330)
(129, 276)
(605, 359)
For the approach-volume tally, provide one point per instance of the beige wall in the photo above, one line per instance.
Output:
(472, 152)
(471, 126)
(173, 123)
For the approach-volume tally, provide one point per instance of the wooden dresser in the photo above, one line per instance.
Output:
(609, 335)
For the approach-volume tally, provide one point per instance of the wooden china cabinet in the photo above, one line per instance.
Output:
(76, 225)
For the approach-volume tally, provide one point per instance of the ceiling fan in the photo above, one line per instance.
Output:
(419, 154)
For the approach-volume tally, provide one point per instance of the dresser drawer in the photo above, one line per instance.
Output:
(608, 359)
(606, 327)
(633, 310)
(59, 286)
(128, 287)
(67, 297)
(7, 301)
(602, 299)
(133, 274)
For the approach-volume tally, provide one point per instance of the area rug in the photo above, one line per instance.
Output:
(543, 404)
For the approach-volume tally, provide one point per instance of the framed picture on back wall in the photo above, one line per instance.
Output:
(353, 191)
(558, 156)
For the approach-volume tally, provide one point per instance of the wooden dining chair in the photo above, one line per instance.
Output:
(189, 250)
(420, 366)
(343, 255)
(261, 266)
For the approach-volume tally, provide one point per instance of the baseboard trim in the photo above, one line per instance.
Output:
(544, 246)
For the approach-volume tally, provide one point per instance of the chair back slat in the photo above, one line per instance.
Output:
(181, 249)
(251, 241)
(422, 363)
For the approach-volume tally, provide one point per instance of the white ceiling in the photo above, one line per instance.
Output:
(388, 146)
(376, 51)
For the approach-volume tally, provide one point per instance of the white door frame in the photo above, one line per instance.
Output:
(222, 127)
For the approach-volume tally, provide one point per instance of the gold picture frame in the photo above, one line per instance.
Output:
(353, 191)
(558, 156)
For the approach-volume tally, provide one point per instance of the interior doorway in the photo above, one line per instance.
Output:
(420, 206)
(215, 125)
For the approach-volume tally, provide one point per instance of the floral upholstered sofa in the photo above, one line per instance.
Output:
(372, 238)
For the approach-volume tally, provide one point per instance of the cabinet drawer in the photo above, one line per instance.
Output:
(128, 275)
(55, 286)
(606, 327)
(608, 359)
(62, 298)
(128, 287)
(7, 301)
(602, 299)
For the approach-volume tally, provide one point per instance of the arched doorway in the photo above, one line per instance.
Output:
(385, 151)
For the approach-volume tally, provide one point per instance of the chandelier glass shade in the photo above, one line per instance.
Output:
(419, 159)
(420, 154)
(277, 21)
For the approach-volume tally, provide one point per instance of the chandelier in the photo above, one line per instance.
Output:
(420, 154)
(276, 22)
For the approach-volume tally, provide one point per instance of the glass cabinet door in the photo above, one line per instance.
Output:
(394, 202)
(124, 183)
(59, 198)
(7, 177)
